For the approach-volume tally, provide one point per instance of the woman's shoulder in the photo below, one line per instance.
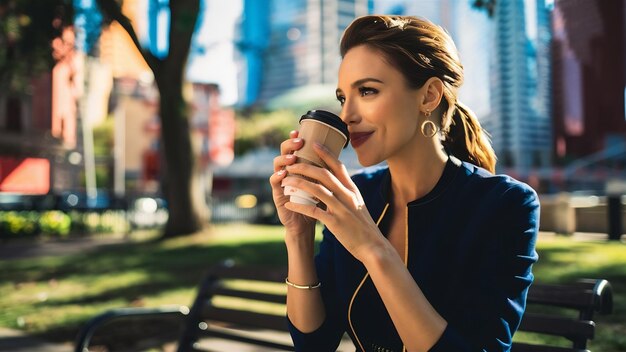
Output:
(501, 186)
(370, 175)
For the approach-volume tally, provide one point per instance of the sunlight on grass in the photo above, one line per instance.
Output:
(177, 296)
(250, 305)
(256, 286)
(561, 259)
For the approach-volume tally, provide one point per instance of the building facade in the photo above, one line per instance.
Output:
(590, 73)
(589, 92)
(303, 48)
(38, 134)
(520, 118)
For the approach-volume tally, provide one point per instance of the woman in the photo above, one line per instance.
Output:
(432, 252)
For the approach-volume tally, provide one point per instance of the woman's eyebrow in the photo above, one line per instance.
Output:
(364, 80)
(360, 82)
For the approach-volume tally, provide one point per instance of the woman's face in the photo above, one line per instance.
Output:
(381, 111)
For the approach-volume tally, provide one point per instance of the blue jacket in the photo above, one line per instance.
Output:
(471, 246)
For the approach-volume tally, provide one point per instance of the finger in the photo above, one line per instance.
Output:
(328, 179)
(335, 166)
(294, 134)
(277, 177)
(311, 211)
(283, 160)
(275, 181)
(316, 190)
(291, 145)
(277, 190)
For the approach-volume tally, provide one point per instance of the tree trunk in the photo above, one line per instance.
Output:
(182, 189)
(182, 186)
(187, 212)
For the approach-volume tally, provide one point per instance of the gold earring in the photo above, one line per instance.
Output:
(429, 129)
(427, 113)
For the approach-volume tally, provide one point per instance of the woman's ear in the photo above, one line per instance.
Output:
(433, 93)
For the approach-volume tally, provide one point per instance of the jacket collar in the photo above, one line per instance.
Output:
(452, 168)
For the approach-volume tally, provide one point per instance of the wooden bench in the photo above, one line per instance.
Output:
(565, 310)
(212, 315)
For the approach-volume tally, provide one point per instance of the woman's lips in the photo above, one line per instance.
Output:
(358, 138)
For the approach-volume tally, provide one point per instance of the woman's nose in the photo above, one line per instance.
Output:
(349, 114)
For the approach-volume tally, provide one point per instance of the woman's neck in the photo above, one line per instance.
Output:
(414, 175)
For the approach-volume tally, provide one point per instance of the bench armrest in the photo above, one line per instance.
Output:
(111, 323)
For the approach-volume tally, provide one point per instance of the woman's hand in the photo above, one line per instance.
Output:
(345, 215)
(293, 222)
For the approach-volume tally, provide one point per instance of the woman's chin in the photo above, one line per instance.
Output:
(367, 162)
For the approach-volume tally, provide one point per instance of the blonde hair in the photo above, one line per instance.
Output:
(420, 50)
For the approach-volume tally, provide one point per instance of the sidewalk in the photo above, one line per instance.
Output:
(54, 247)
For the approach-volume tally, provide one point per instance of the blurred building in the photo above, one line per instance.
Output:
(38, 136)
(589, 92)
(303, 46)
(253, 40)
(589, 77)
(520, 119)
(132, 105)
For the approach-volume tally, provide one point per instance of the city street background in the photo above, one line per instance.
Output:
(153, 125)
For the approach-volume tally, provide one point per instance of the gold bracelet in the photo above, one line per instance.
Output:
(303, 287)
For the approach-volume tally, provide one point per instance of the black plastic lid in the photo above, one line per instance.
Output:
(328, 118)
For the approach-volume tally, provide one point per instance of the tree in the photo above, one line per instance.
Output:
(182, 181)
(26, 30)
(487, 5)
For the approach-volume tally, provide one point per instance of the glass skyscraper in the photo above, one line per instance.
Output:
(304, 42)
(519, 122)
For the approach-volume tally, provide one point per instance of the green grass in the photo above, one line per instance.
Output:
(562, 259)
(53, 296)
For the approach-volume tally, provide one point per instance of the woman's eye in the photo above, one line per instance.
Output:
(367, 91)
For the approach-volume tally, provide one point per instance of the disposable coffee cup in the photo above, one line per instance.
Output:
(322, 127)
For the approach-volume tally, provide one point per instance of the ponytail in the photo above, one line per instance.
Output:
(467, 140)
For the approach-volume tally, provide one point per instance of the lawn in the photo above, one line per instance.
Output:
(52, 296)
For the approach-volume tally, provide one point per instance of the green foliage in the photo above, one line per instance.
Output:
(15, 223)
(103, 142)
(61, 224)
(264, 129)
(26, 30)
(110, 221)
(103, 137)
(55, 223)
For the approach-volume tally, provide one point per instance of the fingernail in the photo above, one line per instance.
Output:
(297, 140)
(280, 172)
(290, 156)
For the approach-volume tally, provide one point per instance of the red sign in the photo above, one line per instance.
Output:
(29, 175)
(222, 136)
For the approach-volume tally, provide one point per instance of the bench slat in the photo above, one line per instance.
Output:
(246, 339)
(251, 273)
(572, 329)
(257, 296)
(561, 296)
(246, 318)
(524, 347)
